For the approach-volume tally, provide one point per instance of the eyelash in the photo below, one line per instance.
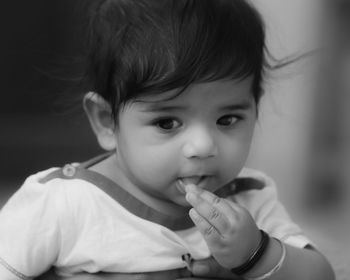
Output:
(157, 122)
(236, 117)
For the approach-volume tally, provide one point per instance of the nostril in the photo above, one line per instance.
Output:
(199, 142)
(199, 150)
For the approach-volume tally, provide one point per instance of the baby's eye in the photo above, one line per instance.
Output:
(228, 120)
(167, 124)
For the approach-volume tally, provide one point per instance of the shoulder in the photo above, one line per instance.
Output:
(258, 194)
(51, 182)
(248, 182)
(32, 189)
(257, 176)
(30, 226)
(32, 198)
(252, 189)
(253, 180)
(48, 192)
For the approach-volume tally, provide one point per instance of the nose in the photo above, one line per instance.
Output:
(200, 143)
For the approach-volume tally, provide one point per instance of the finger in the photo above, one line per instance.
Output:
(227, 207)
(214, 209)
(196, 278)
(110, 276)
(208, 231)
(221, 203)
(210, 268)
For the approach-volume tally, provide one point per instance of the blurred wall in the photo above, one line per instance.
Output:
(38, 51)
(285, 123)
(304, 135)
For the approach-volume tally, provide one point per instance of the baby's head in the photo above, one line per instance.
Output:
(181, 81)
(141, 47)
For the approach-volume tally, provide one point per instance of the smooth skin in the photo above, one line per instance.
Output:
(229, 230)
(207, 130)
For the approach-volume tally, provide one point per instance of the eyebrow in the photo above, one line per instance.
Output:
(156, 107)
(159, 108)
(244, 105)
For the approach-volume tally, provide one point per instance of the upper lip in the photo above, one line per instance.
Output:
(194, 176)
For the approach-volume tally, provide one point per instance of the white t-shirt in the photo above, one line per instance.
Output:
(59, 217)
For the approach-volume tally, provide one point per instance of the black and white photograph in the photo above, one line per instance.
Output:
(175, 140)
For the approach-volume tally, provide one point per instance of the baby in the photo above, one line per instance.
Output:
(174, 93)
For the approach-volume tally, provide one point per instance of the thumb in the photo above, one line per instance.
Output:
(210, 268)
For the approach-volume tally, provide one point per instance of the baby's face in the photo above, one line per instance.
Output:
(202, 137)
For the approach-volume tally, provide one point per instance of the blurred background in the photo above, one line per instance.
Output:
(39, 52)
(302, 138)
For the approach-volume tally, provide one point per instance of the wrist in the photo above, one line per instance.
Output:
(268, 261)
(255, 256)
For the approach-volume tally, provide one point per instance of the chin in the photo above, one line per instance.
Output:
(182, 202)
(185, 204)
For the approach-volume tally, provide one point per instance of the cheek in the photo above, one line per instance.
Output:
(235, 156)
(234, 153)
(151, 163)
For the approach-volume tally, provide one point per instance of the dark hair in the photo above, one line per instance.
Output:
(139, 47)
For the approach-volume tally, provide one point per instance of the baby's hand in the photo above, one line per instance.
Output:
(209, 268)
(229, 230)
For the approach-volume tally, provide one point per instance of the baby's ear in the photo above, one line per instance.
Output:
(101, 120)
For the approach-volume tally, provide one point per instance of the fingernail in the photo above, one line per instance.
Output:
(191, 188)
(193, 214)
(190, 197)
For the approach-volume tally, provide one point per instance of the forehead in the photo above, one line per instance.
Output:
(209, 93)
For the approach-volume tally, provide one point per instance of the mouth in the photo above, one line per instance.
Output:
(199, 181)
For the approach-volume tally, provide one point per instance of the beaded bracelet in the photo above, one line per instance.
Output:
(275, 268)
(255, 257)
